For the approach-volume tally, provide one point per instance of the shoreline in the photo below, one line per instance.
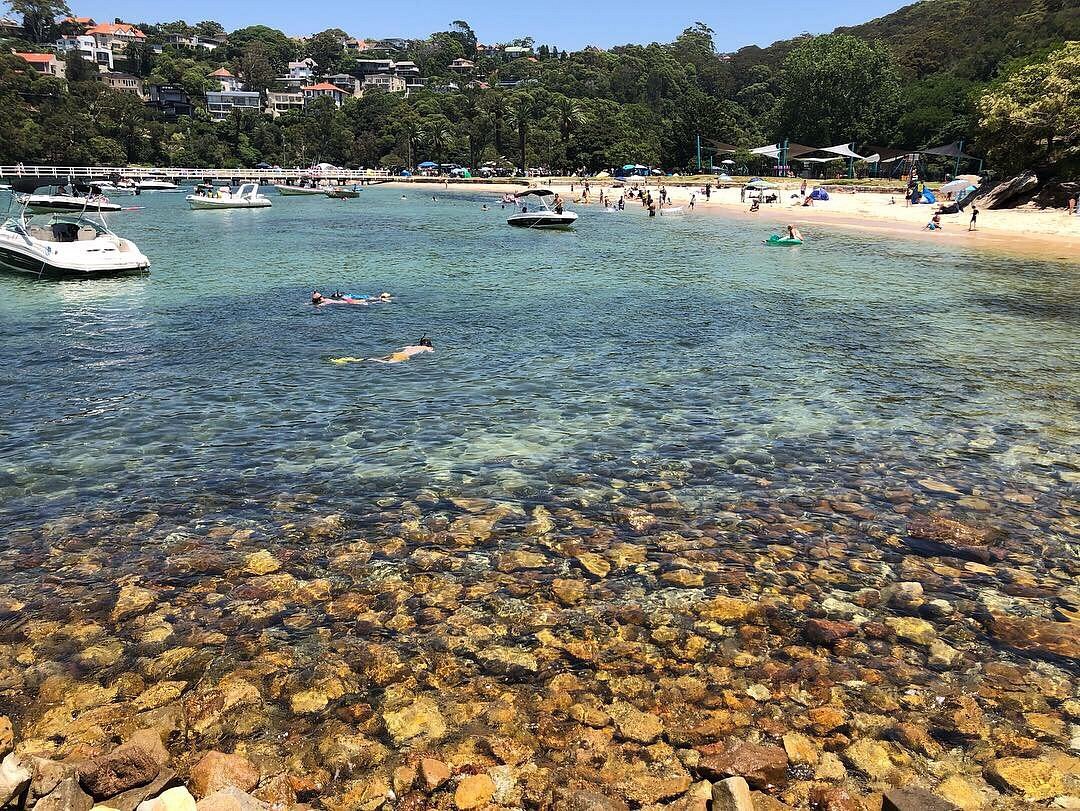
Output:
(1030, 233)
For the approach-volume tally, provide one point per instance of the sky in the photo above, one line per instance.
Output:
(569, 24)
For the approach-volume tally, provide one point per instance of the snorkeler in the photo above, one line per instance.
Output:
(402, 355)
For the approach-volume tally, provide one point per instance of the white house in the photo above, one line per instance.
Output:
(323, 90)
(228, 82)
(304, 69)
(116, 36)
(219, 105)
(385, 81)
(87, 47)
(278, 102)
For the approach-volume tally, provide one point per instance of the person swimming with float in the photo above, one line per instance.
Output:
(793, 233)
(402, 355)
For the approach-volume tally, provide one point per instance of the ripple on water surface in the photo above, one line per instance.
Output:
(621, 427)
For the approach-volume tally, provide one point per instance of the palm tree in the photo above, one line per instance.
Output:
(569, 114)
(522, 112)
(413, 132)
(440, 135)
(496, 104)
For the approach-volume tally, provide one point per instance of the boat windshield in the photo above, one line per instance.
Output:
(57, 228)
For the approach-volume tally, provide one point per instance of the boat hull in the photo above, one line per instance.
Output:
(44, 205)
(297, 191)
(198, 204)
(27, 262)
(546, 220)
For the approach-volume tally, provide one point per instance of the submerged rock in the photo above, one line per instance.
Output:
(122, 769)
(1032, 779)
(217, 770)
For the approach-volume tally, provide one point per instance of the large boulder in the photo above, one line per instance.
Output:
(120, 770)
(217, 770)
(1004, 193)
(1056, 194)
(14, 779)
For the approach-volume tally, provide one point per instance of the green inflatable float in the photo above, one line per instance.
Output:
(776, 239)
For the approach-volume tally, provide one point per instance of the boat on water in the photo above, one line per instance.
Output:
(342, 194)
(66, 245)
(295, 191)
(246, 196)
(154, 184)
(82, 197)
(549, 215)
(111, 189)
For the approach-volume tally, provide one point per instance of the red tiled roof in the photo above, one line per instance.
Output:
(117, 28)
(223, 74)
(37, 57)
(324, 86)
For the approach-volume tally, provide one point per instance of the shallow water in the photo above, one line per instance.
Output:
(673, 365)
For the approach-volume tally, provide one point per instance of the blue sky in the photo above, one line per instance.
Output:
(572, 24)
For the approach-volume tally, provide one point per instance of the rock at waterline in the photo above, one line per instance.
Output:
(937, 535)
(732, 794)
(132, 600)
(911, 629)
(726, 610)
(1037, 635)
(1032, 779)
(230, 798)
(915, 799)
(633, 725)
(175, 799)
(14, 779)
(474, 791)
(760, 765)
(828, 632)
(217, 770)
(261, 562)
(120, 770)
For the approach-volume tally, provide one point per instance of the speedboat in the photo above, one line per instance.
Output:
(342, 193)
(246, 196)
(290, 191)
(549, 215)
(83, 198)
(153, 184)
(66, 245)
(109, 188)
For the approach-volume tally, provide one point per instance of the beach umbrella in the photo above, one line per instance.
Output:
(760, 184)
(725, 178)
(728, 162)
(955, 186)
(973, 179)
(602, 175)
(658, 171)
(427, 165)
(630, 166)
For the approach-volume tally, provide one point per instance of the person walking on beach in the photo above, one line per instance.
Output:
(802, 188)
(1072, 206)
(973, 226)
(693, 197)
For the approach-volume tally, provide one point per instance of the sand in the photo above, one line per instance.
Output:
(1047, 233)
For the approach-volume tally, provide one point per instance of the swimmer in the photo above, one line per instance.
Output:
(403, 197)
(316, 298)
(484, 207)
(793, 233)
(402, 355)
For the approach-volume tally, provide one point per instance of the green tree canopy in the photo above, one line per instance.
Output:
(39, 16)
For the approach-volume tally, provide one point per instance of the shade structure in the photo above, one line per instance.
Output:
(728, 162)
(426, 165)
(952, 150)
(760, 184)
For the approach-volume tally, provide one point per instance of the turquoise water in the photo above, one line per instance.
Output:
(705, 415)
(628, 342)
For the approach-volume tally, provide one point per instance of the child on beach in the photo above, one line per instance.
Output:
(974, 216)
(934, 224)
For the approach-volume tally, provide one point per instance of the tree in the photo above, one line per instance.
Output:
(78, 69)
(836, 89)
(280, 48)
(1035, 111)
(326, 49)
(39, 16)
(209, 28)
(255, 67)
(522, 113)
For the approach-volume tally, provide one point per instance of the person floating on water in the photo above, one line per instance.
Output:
(793, 233)
(337, 297)
(402, 355)
(484, 207)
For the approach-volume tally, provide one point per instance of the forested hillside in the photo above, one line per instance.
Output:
(931, 73)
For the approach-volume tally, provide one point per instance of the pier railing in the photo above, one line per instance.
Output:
(182, 173)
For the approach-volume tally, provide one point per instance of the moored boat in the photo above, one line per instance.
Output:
(246, 196)
(286, 190)
(549, 215)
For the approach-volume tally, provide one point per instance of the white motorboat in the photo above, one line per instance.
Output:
(83, 197)
(548, 215)
(153, 184)
(109, 188)
(290, 191)
(66, 245)
(246, 196)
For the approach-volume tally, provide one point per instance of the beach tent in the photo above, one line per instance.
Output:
(760, 184)
(819, 194)
(725, 178)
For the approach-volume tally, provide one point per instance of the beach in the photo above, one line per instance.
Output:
(1026, 231)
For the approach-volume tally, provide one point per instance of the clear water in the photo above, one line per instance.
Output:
(628, 342)
(158, 430)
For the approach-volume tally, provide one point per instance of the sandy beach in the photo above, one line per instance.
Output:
(1049, 233)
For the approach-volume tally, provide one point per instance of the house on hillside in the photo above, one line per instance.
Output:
(124, 83)
(87, 47)
(10, 28)
(304, 69)
(228, 82)
(170, 100)
(462, 66)
(406, 69)
(46, 64)
(220, 104)
(278, 102)
(323, 90)
(78, 23)
(517, 51)
(116, 36)
(347, 84)
(384, 81)
(370, 67)
(194, 41)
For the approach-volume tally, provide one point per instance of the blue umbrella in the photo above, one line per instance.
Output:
(427, 165)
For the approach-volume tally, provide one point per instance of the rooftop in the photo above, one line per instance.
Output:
(117, 28)
(324, 86)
